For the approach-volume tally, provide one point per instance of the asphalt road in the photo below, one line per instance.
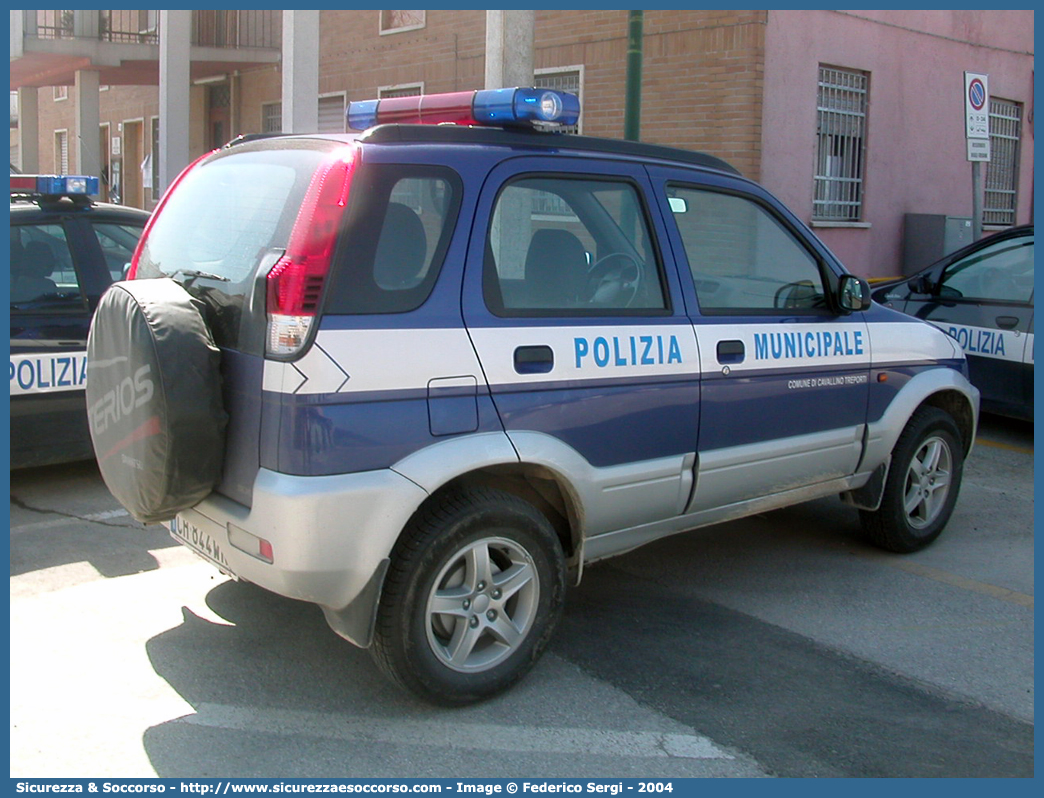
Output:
(778, 645)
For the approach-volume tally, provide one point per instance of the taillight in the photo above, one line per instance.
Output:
(133, 271)
(295, 283)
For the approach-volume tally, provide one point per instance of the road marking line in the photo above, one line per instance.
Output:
(68, 519)
(1006, 446)
(479, 737)
(963, 582)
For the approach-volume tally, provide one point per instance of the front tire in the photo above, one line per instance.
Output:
(472, 597)
(922, 485)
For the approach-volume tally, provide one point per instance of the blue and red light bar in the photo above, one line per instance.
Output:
(55, 185)
(518, 107)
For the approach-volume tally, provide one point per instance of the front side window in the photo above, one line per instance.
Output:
(1002, 171)
(1001, 272)
(42, 272)
(117, 242)
(558, 246)
(741, 257)
(841, 145)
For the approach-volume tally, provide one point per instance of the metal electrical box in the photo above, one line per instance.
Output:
(929, 236)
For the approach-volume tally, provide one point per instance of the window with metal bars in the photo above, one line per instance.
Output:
(61, 152)
(568, 79)
(841, 147)
(1002, 172)
(272, 117)
(331, 113)
(405, 90)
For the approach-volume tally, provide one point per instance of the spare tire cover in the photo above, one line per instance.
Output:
(154, 398)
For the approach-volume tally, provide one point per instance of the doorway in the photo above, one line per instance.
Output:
(132, 158)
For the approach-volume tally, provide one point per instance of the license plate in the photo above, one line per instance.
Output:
(202, 543)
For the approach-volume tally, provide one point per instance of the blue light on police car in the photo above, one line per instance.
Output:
(526, 106)
(362, 114)
(66, 184)
(514, 107)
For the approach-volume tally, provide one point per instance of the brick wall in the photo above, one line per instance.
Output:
(702, 74)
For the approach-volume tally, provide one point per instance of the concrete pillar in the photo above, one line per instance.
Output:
(87, 145)
(29, 129)
(300, 71)
(175, 32)
(20, 22)
(509, 48)
(509, 62)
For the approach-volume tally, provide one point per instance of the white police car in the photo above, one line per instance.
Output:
(65, 251)
(422, 378)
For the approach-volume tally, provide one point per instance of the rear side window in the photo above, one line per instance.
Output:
(399, 227)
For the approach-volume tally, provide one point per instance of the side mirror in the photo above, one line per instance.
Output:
(853, 293)
(922, 285)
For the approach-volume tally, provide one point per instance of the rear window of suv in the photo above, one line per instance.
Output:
(226, 215)
(225, 220)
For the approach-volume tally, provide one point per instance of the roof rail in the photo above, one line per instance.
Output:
(477, 135)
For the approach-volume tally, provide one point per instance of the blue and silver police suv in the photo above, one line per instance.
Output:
(421, 376)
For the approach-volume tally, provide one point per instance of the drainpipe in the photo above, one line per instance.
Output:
(633, 100)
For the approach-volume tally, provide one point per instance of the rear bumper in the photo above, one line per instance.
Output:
(329, 535)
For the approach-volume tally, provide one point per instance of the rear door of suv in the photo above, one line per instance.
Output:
(577, 318)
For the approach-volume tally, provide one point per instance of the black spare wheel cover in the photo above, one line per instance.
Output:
(154, 398)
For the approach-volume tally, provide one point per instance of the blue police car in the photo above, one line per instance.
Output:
(982, 295)
(65, 252)
(423, 376)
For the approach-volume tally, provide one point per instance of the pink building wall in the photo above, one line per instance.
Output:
(916, 152)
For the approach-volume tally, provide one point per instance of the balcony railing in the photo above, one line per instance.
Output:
(236, 29)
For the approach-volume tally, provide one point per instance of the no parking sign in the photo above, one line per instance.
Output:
(976, 106)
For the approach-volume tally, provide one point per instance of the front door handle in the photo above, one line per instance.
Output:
(1007, 322)
(534, 360)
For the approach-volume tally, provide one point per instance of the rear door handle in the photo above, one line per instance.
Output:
(731, 351)
(534, 360)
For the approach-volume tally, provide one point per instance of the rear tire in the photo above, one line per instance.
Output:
(472, 597)
(922, 486)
